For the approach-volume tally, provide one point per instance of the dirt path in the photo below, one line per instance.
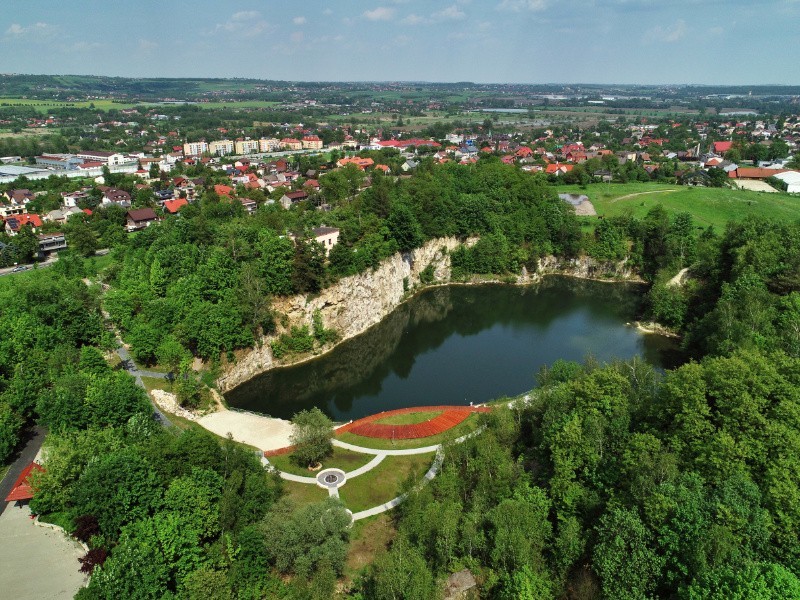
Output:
(627, 196)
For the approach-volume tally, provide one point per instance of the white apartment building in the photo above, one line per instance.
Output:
(221, 147)
(268, 144)
(246, 146)
(195, 148)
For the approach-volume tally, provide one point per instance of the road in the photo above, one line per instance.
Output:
(130, 366)
(45, 263)
(26, 456)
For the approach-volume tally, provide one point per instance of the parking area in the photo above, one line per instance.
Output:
(39, 563)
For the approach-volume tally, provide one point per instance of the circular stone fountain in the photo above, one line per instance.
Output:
(331, 478)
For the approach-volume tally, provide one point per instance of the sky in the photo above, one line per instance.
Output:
(484, 41)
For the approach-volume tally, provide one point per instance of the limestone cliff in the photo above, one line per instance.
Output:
(586, 268)
(351, 306)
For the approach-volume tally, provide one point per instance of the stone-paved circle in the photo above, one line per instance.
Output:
(331, 478)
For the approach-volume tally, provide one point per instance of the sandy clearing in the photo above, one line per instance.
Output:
(585, 209)
(626, 197)
(755, 185)
(39, 563)
(262, 432)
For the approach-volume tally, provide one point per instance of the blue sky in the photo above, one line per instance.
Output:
(522, 41)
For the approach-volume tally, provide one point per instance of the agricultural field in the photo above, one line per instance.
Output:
(46, 106)
(708, 206)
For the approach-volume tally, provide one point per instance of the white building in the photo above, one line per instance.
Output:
(246, 146)
(195, 148)
(221, 147)
(792, 179)
(268, 144)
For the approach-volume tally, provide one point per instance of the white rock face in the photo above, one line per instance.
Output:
(351, 306)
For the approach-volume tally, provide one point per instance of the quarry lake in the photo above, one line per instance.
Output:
(462, 344)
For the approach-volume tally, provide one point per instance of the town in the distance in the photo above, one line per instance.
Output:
(148, 153)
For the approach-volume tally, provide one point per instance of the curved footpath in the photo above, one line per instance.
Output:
(380, 455)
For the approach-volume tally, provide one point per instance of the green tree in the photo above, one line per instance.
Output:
(26, 243)
(623, 559)
(404, 227)
(757, 581)
(312, 432)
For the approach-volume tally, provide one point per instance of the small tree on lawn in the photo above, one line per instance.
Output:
(312, 436)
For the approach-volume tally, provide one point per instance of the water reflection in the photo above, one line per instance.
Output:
(455, 344)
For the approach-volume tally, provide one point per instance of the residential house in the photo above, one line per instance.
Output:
(115, 196)
(327, 236)
(140, 218)
(290, 198)
(17, 222)
(51, 242)
(791, 179)
(21, 196)
(173, 206)
(249, 205)
(62, 215)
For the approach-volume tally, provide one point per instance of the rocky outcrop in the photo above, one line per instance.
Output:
(586, 267)
(350, 306)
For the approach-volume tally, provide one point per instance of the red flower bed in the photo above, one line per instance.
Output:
(450, 417)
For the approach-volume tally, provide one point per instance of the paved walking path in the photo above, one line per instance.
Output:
(379, 456)
(130, 366)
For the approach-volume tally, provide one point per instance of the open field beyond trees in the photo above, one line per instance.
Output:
(708, 206)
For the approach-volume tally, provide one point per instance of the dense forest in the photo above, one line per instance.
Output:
(612, 481)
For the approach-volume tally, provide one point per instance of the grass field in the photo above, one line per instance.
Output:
(467, 426)
(409, 418)
(368, 538)
(45, 106)
(343, 459)
(384, 482)
(708, 206)
(303, 493)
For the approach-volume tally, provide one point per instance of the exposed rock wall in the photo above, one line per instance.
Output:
(351, 306)
(586, 267)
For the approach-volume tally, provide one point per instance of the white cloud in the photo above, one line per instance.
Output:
(670, 35)
(413, 19)
(521, 5)
(327, 12)
(247, 23)
(299, 20)
(382, 13)
(37, 29)
(147, 45)
(451, 13)
(297, 37)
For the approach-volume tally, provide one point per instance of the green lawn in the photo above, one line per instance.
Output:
(46, 106)
(467, 426)
(708, 206)
(302, 493)
(409, 418)
(343, 459)
(384, 482)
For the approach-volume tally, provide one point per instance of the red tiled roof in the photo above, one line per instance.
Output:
(172, 206)
(722, 146)
(21, 489)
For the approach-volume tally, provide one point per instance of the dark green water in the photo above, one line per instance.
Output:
(461, 344)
